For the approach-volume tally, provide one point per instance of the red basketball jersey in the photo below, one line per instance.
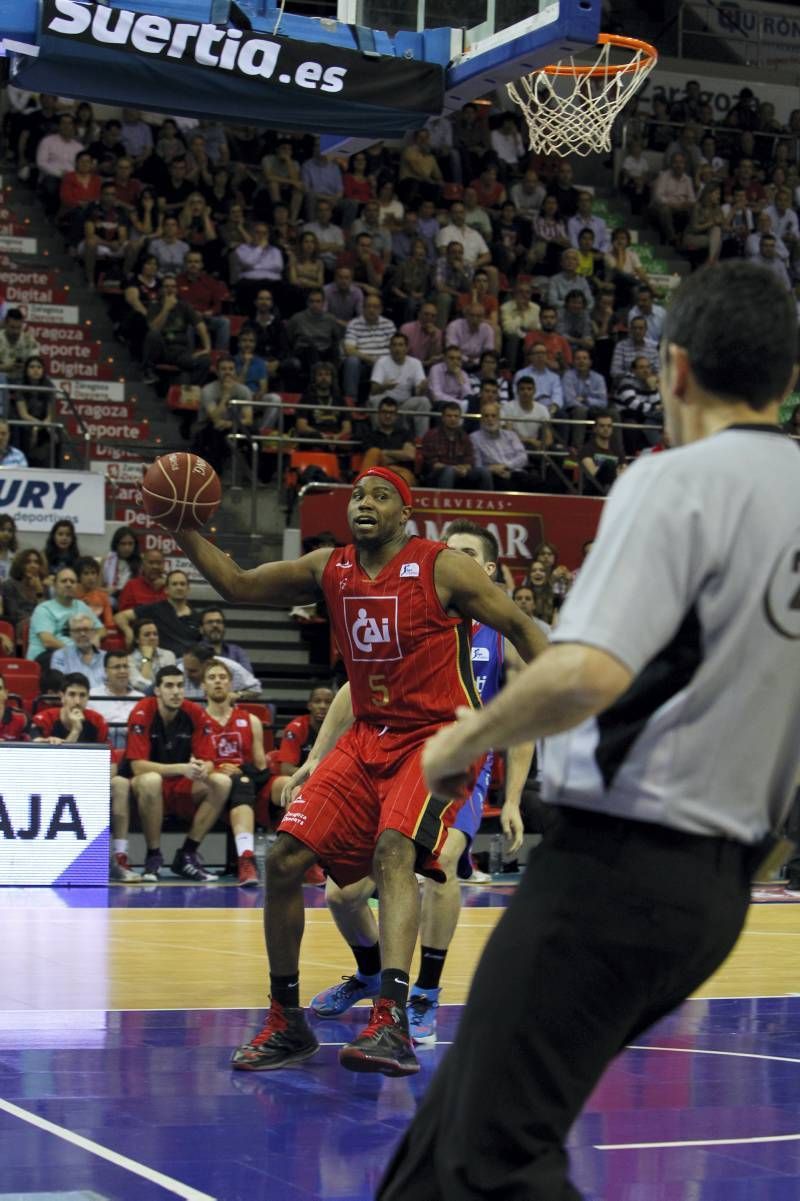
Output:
(229, 743)
(407, 660)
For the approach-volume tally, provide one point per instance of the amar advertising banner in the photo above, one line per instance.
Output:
(38, 498)
(204, 69)
(519, 520)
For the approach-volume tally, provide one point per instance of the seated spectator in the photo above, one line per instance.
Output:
(476, 252)
(523, 598)
(405, 234)
(584, 218)
(673, 200)
(564, 190)
(420, 177)
(502, 452)
(471, 139)
(265, 322)
(447, 454)
(590, 261)
(173, 327)
(14, 724)
(329, 235)
(233, 233)
(61, 546)
(222, 195)
(475, 216)
(472, 334)
(627, 349)
(481, 294)
(707, 223)
(600, 463)
(147, 657)
(169, 144)
(10, 456)
(739, 220)
(329, 420)
(129, 190)
(506, 142)
(546, 383)
(305, 269)
(17, 345)
(50, 617)
(635, 175)
(281, 173)
(511, 243)
(365, 340)
(370, 223)
(488, 373)
(744, 176)
(528, 417)
(37, 408)
(452, 278)
(639, 398)
(543, 607)
(212, 632)
(567, 280)
(763, 225)
(322, 179)
(9, 545)
(217, 418)
(105, 234)
(584, 390)
(387, 444)
(518, 316)
(357, 188)
(344, 300)
(176, 189)
(527, 194)
(623, 267)
(146, 586)
(424, 336)
(549, 235)
(401, 376)
(575, 323)
(411, 282)
(136, 136)
(141, 291)
(90, 592)
(55, 158)
(71, 721)
(80, 653)
(312, 336)
(391, 210)
(559, 351)
(783, 220)
(233, 741)
(165, 770)
(193, 664)
(448, 383)
(123, 561)
(768, 257)
(114, 697)
(260, 264)
(653, 313)
(108, 148)
(366, 266)
(687, 143)
(488, 187)
(77, 190)
(25, 586)
(178, 625)
(206, 295)
(251, 369)
(169, 249)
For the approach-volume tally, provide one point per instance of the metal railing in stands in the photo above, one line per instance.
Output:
(758, 45)
(640, 124)
(52, 426)
(283, 441)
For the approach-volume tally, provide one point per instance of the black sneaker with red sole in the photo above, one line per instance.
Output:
(285, 1039)
(384, 1045)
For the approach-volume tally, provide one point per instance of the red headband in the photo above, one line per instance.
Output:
(392, 478)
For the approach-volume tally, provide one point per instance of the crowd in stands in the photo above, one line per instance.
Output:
(246, 263)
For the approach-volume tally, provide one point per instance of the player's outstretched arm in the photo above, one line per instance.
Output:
(463, 585)
(338, 719)
(286, 583)
(571, 682)
(518, 764)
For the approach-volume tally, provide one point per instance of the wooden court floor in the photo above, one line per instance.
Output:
(190, 958)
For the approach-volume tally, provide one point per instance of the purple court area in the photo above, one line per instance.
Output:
(703, 1109)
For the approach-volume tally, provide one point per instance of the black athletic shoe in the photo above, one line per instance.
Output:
(284, 1039)
(384, 1045)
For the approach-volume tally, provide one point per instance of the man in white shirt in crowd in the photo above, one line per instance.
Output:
(546, 383)
(673, 199)
(329, 235)
(399, 375)
(518, 316)
(55, 156)
(80, 653)
(476, 252)
(528, 417)
(114, 697)
(245, 684)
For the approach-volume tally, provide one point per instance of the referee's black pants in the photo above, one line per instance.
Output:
(614, 924)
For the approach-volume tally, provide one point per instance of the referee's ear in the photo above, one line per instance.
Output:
(676, 371)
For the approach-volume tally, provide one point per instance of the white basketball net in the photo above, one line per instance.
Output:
(573, 113)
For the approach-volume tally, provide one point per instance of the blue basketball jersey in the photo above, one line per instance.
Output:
(488, 657)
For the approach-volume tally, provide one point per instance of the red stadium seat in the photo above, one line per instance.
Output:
(22, 676)
(10, 633)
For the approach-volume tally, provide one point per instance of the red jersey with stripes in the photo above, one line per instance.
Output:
(407, 660)
(228, 742)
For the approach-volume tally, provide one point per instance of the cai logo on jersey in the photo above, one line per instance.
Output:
(228, 746)
(372, 629)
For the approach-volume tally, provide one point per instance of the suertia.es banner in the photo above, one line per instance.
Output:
(200, 68)
(519, 520)
(54, 814)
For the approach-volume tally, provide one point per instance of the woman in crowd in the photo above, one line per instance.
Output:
(547, 555)
(708, 224)
(86, 128)
(36, 409)
(25, 587)
(412, 282)
(147, 658)
(551, 232)
(61, 548)
(306, 270)
(144, 223)
(9, 545)
(357, 188)
(544, 602)
(169, 144)
(122, 562)
(623, 268)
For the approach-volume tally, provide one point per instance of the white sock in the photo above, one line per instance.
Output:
(120, 846)
(244, 842)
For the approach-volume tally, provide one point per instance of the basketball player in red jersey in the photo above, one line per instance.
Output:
(233, 740)
(402, 611)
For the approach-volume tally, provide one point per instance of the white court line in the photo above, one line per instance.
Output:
(702, 1051)
(120, 1161)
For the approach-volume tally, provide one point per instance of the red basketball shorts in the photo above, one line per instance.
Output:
(370, 782)
(176, 792)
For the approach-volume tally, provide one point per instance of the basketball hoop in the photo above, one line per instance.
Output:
(570, 108)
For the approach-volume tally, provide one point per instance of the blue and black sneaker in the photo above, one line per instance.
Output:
(422, 1006)
(337, 999)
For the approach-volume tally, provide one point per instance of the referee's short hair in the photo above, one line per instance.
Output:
(738, 326)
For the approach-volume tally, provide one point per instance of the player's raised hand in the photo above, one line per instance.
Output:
(448, 757)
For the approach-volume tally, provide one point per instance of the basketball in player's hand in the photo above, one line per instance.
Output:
(181, 491)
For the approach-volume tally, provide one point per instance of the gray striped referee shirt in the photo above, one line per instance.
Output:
(693, 583)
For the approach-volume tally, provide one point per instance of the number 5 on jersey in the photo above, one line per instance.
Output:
(378, 688)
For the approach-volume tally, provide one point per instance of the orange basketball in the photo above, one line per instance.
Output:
(181, 491)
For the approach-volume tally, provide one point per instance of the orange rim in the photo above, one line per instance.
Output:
(604, 39)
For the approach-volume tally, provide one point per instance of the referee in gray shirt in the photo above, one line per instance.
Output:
(671, 699)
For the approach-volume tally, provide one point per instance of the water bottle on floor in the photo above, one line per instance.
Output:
(495, 854)
(260, 851)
